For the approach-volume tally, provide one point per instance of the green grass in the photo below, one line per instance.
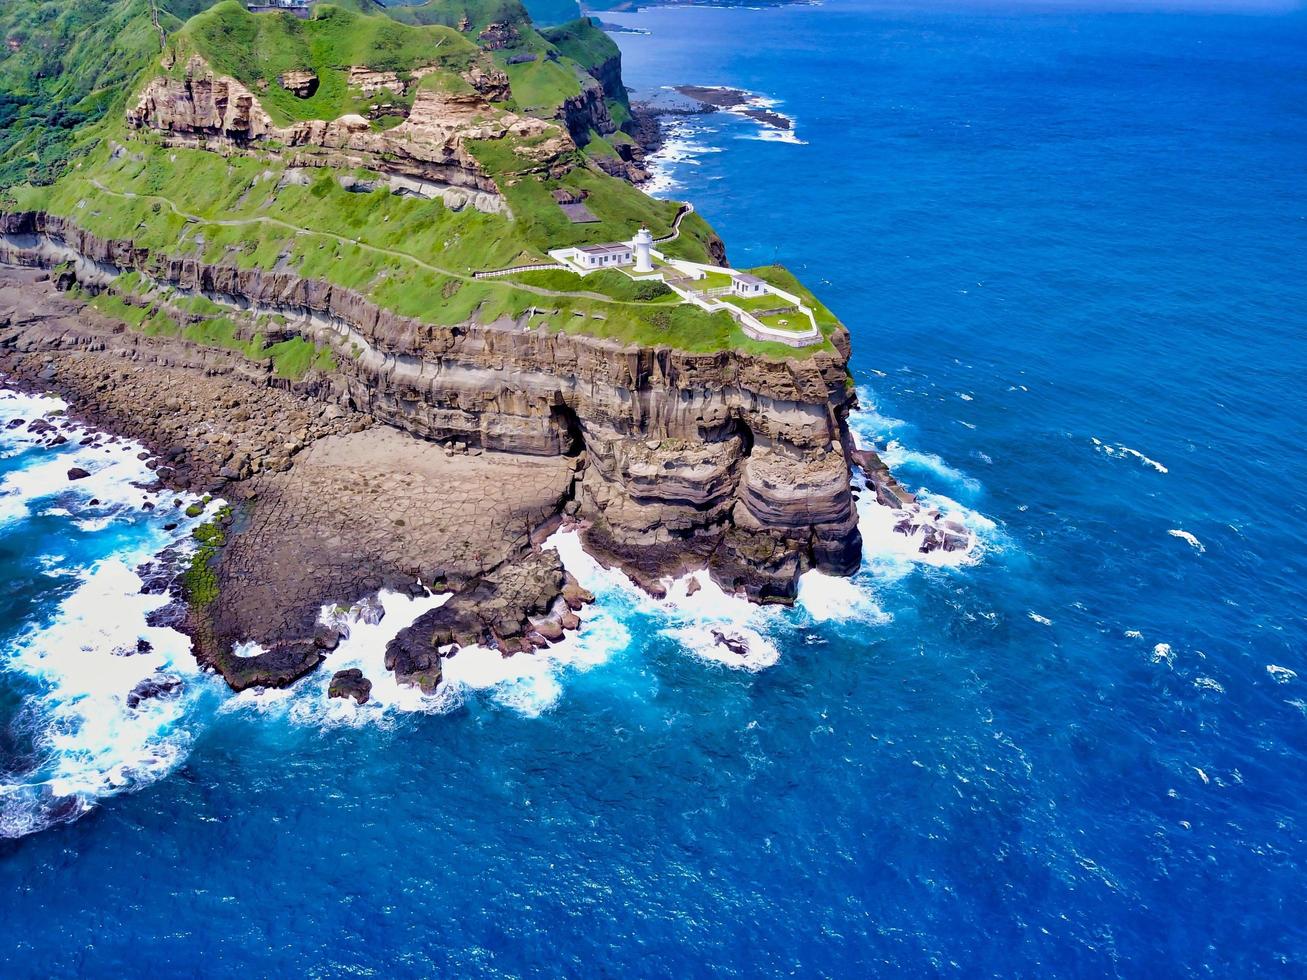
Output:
(213, 187)
(200, 582)
(256, 49)
(540, 86)
(479, 13)
(760, 304)
(712, 280)
(74, 66)
(609, 282)
(795, 321)
(115, 306)
(782, 278)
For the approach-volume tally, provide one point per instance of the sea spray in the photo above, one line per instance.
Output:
(109, 702)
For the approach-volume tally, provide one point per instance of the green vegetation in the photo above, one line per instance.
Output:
(608, 282)
(713, 280)
(585, 43)
(199, 581)
(413, 256)
(782, 278)
(63, 68)
(479, 13)
(258, 49)
(761, 304)
(293, 358)
(540, 86)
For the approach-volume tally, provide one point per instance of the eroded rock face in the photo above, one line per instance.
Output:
(724, 459)
(350, 684)
(216, 112)
(517, 607)
(302, 83)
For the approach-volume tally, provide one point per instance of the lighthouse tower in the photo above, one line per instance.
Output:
(643, 241)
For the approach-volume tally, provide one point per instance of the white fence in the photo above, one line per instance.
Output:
(494, 273)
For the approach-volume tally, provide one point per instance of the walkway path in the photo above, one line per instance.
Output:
(344, 240)
(154, 16)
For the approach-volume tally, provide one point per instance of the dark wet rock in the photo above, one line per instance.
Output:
(734, 644)
(158, 686)
(326, 637)
(276, 667)
(369, 610)
(350, 684)
(693, 586)
(413, 656)
(77, 473)
(159, 573)
(497, 610)
(172, 616)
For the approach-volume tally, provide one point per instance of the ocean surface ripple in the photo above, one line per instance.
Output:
(1068, 244)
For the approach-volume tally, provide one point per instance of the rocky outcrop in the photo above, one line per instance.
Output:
(585, 112)
(726, 459)
(428, 149)
(515, 609)
(350, 683)
(302, 83)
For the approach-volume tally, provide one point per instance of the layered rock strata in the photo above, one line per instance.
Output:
(737, 461)
(428, 150)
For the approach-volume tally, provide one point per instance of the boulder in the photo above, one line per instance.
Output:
(350, 684)
(156, 686)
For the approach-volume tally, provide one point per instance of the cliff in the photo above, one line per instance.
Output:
(725, 459)
(204, 110)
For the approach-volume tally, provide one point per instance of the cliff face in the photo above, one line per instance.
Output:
(587, 111)
(427, 150)
(724, 459)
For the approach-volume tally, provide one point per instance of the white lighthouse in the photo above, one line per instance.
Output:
(643, 242)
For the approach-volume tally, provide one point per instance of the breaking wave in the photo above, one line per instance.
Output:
(106, 699)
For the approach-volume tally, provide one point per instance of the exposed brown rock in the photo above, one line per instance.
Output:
(350, 684)
(217, 112)
(302, 83)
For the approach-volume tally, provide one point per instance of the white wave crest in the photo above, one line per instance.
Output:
(1121, 451)
(1187, 537)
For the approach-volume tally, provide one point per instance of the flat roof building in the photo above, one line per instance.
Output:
(598, 256)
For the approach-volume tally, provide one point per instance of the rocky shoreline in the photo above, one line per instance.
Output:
(346, 484)
(329, 506)
(331, 503)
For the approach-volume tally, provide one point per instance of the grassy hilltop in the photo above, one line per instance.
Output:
(66, 82)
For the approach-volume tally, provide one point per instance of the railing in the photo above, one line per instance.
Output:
(495, 273)
(714, 291)
(676, 225)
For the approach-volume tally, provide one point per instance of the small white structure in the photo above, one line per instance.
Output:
(643, 244)
(747, 285)
(604, 256)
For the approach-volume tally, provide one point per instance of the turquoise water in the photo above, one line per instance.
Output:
(1069, 246)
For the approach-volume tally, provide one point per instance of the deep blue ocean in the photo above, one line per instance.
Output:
(1071, 246)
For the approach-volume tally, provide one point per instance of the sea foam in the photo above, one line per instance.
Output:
(80, 663)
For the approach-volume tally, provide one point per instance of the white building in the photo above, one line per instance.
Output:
(747, 285)
(643, 244)
(604, 256)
